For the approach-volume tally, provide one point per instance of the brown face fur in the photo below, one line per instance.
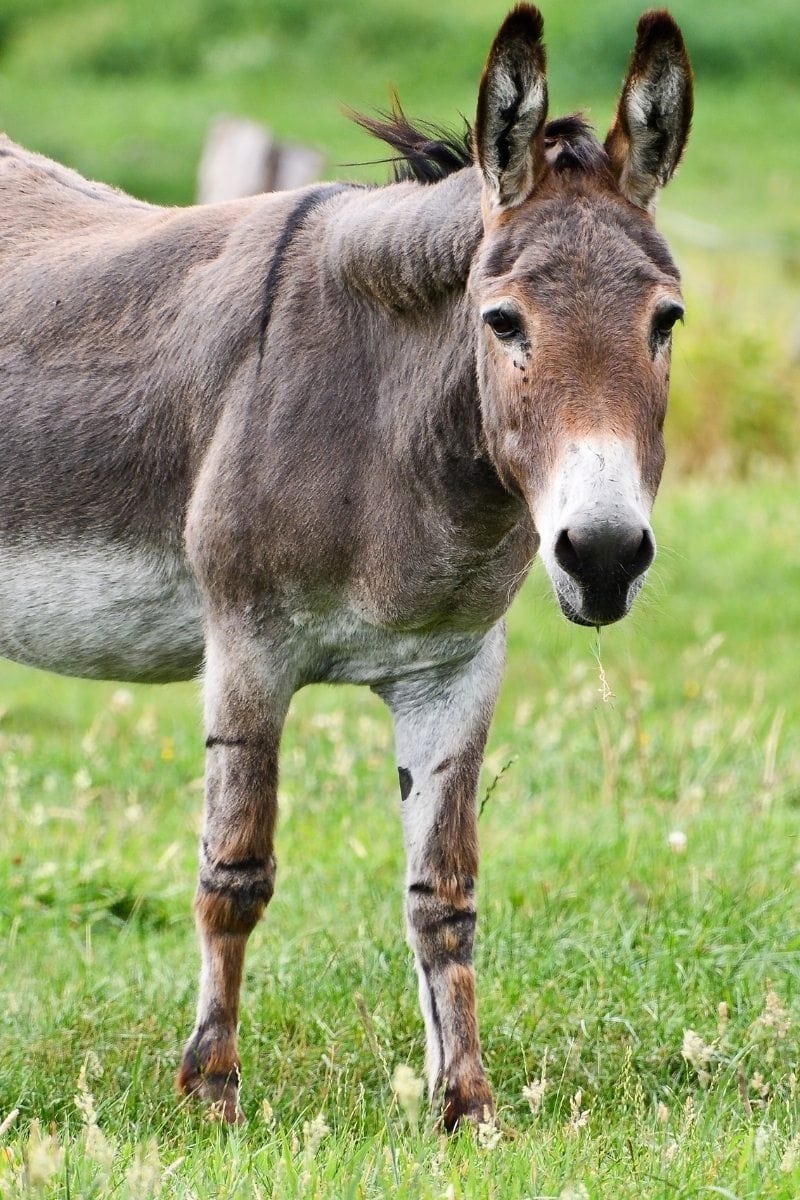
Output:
(586, 276)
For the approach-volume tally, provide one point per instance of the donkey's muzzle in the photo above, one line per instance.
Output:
(602, 565)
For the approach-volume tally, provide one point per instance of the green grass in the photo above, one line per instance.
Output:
(598, 948)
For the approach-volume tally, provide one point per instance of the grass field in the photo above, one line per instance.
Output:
(600, 943)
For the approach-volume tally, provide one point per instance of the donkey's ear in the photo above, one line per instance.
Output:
(512, 108)
(649, 133)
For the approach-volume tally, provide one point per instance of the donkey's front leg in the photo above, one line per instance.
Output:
(441, 722)
(244, 717)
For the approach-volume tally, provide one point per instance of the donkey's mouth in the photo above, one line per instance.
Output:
(571, 613)
(595, 606)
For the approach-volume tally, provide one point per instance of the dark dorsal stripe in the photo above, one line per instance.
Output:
(294, 223)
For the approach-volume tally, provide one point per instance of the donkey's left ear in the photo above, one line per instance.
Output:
(512, 109)
(651, 127)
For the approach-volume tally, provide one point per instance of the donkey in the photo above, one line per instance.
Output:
(320, 436)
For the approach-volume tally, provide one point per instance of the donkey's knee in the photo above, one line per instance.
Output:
(231, 896)
(441, 920)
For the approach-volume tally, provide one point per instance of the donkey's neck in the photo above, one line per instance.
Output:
(408, 244)
(407, 250)
(366, 411)
(438, 438)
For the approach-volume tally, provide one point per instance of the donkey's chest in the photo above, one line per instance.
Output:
(427, 614)
(341, 646)
(444, 581)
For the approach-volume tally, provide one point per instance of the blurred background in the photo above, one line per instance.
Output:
(126, 90)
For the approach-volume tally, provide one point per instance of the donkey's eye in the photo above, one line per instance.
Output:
(663, 322)
(503, 322)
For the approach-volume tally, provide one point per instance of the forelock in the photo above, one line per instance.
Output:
(571, 145)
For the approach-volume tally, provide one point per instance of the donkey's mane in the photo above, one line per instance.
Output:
(426, 152)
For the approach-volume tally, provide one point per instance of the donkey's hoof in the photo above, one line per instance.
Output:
(219, 1090)
(468, 1105)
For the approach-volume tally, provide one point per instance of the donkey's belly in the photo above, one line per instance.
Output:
(100, 612)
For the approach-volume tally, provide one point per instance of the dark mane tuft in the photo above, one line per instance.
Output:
(427, 153)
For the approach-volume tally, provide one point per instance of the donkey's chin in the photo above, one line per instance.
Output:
(593, 606)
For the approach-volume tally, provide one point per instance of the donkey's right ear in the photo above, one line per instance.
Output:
(512, 109)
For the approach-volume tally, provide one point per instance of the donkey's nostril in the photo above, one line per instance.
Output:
(566, 554)
(592, 553)
(645, 553)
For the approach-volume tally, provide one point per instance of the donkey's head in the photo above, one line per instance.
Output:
(577, 296)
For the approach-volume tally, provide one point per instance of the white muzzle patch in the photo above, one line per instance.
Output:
(594, 525)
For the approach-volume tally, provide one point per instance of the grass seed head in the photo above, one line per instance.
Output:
(775, 1016)
(578, 1116)
(313, 1134)
(697, 1054)
(489, 1133)
(143, 1176)
(534, 1092)
(8, 1121)
(44, 1157)
(99, 1149)
(763, 1141)
(408, 1088)
(723, 1017)
(791, 1155)
(84, 1100)
(121, 701)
